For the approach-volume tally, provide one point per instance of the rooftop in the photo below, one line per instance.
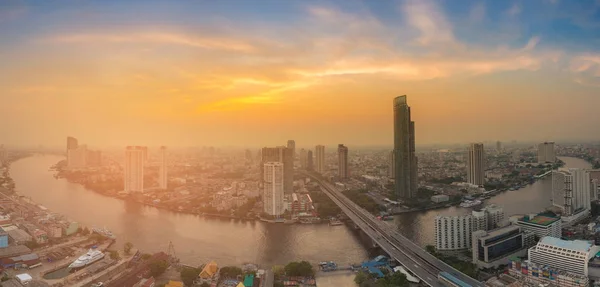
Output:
(540, 220)
(578, 245)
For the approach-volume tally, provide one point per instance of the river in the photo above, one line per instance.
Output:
(198, 240)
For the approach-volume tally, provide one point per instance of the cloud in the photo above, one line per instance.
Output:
(514, 10)
(429, 20)
(586, 69)
(217, 43)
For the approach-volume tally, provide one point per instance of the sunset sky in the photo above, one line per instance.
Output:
(261, 72)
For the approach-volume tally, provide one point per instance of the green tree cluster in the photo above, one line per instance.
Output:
(230, 272)
(325, 206)
(361, 198)
(395, 279)
(301, 268)
(127, 248)
(158, 267)
(188, 275)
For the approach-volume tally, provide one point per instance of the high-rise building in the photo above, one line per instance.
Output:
(273, 188)
(76, 157)
(392, 165)
(571, 190)
(309, 160)
(302, 157)
(320, 159)
(453, 232)
(404, 150)
(72, 143)
(342, 161)
(291, 144)
(162, 172)
(495, 247)
(284, 155)
(546, 152)
(134, 169)
(495, 216)
(476, 164)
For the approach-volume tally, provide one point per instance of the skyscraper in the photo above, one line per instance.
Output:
(134, 169)
(273, 188)
(320, 158)
(404, 150)
(476, 164)
(291, 144)
(72, 143)
(571, 190)
(392, 165)
(284, 155)
(162, 173)
(303, 159)
(309, 160)
(546, 152)
(342, 161)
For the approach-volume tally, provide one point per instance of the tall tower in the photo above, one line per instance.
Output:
(309, 160)
(283, 155)
(72, 143)
(162, 173)
(303, 159)
(476, 164)
(546, 152)
(320, 158)
(291, 144)
(134, 169)
(405, 166)
(342, 161)
(273, 188)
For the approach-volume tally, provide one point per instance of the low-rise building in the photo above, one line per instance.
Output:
(54, 230)
(3, 239)
(541, 225)
(494, 248)
(566, 255)
(19, 236)
(70, 227)
(440, 198)
(40, 236)
(532, 274)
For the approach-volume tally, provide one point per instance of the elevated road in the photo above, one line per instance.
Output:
(422, 264)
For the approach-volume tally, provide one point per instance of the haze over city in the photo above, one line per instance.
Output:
(236, 73)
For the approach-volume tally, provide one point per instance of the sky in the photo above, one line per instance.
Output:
(258, 73)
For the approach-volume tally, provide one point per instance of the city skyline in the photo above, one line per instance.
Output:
(297, 72)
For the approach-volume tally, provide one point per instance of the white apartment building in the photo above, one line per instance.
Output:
(476, 164)
(134, 169)
(453, 232)
(571, 190)
(540, 225)
(546, 152)
(273, 189)
(162, 172)
(570, 256)
(495, 216)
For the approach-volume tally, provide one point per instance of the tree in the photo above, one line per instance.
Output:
(396, 279)
(146, 256)
(230, 272)
(361, 277)
(430, 249)
(114, 255)
(188, 275)
(127, 248)
(278, 270)
(302, 268)
(158, 267)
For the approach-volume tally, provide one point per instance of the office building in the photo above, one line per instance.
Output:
(284, 155)
(453, 232)
(72, 143)
(309, 160)
(494, 248)
(273, 188)
(392, 165)
(571, 191)
(476, 164)
(162, 170)
(134, 169)
(565, 255)
(76, 157)
(302, 158)
(546, 152)
(320, 159)
(404, 150)
(291, 144)
(541, 225)
(342, 161)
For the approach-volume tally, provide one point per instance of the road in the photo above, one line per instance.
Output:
(414, 258)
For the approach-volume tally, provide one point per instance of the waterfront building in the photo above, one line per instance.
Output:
(546, 152)
(453, 232)
(72, 143)
(440, 198)
(495, 216)
(134, 169)
(162, 172)
(283, 155)
(309, 160)
(480, 220)
(76, 157)
(494, 248)
(273, 188)
(342, 161)
(567, 255)
(541, 225)
(476, 164)
(320, 159)
(405, 165)
(571, 191)
(291, 144)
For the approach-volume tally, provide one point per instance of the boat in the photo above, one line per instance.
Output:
(310, 220)
(104, 232)
(334, 222)
(470, 203)
(90, 257)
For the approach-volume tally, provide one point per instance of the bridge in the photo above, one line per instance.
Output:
(422, 264)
